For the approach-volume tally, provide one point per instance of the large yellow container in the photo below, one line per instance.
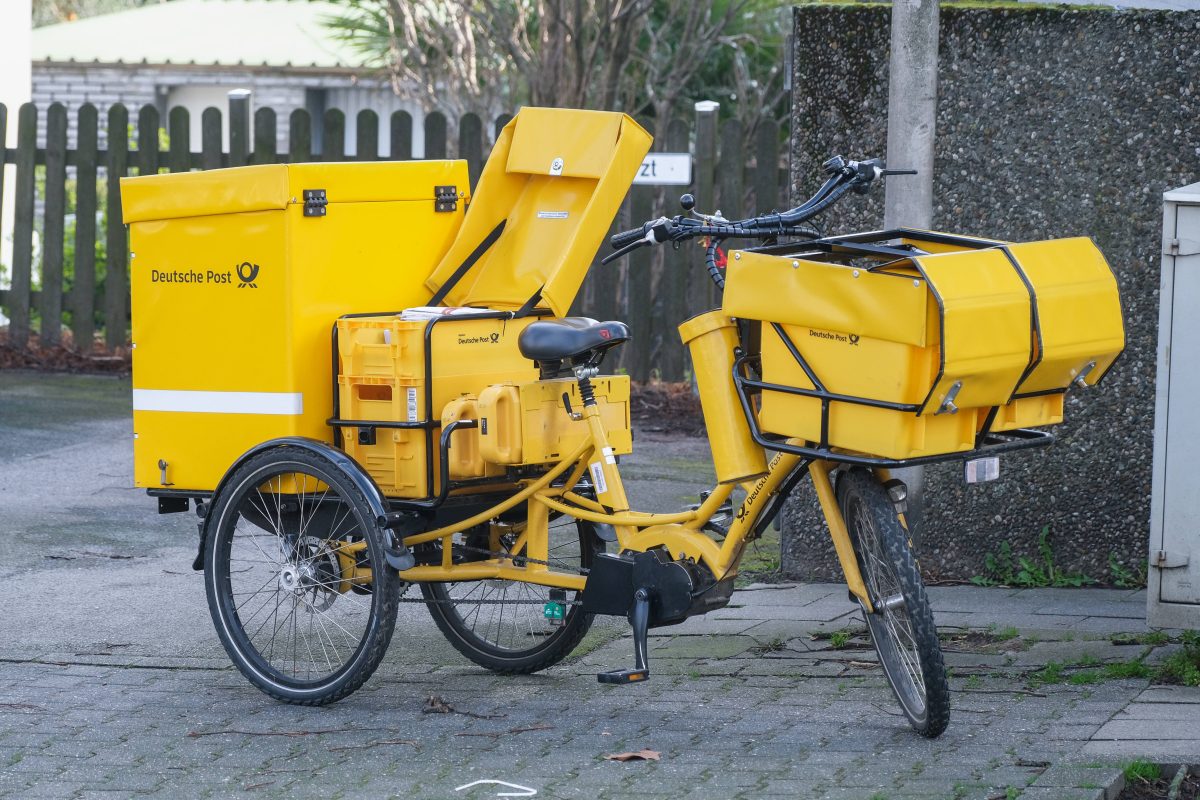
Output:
(711, 339)
(466, 355)
(951, 335)
(236, 289)
(527, 423)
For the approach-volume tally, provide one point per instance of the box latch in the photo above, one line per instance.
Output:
(314, 202)
(445, 198)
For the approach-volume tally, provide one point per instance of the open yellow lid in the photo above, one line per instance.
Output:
(542, 207)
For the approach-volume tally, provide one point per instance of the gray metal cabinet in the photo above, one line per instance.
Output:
(1173, 599)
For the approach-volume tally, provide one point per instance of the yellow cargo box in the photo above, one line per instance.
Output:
(408, 372)
(528, 423)
(237, 278)
(928, 341)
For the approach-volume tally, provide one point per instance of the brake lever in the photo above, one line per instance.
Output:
(624, 251)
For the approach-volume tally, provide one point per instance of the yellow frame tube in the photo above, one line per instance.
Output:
(500, 508)
(493, 570)
(630, 519)
(678, 532)
(819, 472)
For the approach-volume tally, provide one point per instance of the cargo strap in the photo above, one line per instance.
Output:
(465, 267)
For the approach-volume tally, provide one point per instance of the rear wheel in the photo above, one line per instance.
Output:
(902, 626)
(500, 624)
(297, 584)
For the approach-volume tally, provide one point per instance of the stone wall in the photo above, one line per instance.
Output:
(1051, 122)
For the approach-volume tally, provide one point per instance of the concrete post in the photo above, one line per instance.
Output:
(912, 112)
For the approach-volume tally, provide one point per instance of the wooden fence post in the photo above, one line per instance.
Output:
(264, 136)
(55, 211)
(366, 143)
(435, 135)
(673, 283)
(116, 282)
(147, 140)
(766, 167)
(239, 127)
(83, 291)
(333, 140)
(300, 136)
(470, 146)
(501, 121)
(638, 289)
(700, 289)
(22, 268)
(731, 197)
(401, 145)
(179, 134)
(210, 138)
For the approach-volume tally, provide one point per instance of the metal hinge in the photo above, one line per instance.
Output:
(1166, 559)
(315, 202)
(445, 198)
(1181, 247)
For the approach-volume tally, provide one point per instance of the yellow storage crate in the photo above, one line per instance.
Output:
(528, 423)
(921, 344)
(237, 277)
(414, 371)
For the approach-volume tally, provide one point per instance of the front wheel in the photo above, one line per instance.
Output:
(902, 627)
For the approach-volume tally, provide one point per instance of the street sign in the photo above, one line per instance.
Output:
(665, 169)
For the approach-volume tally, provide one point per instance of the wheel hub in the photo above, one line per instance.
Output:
(295, 578)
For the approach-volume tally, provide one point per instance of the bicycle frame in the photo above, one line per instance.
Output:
(682, 534)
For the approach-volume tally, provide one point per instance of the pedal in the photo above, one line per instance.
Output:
(621, 676)
(639, 617)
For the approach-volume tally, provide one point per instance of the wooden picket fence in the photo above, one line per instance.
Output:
(82, 278)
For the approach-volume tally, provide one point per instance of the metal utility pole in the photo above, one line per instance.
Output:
(912, 112)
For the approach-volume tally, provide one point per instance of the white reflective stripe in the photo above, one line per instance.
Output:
(218, 402)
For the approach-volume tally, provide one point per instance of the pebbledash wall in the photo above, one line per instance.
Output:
(1051, 122)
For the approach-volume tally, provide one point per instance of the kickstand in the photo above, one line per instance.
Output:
(640, 619)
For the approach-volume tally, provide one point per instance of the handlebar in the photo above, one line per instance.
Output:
(843, 175)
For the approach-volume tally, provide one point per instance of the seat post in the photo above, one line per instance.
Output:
(584, 375)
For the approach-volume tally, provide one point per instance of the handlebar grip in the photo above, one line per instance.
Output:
(625, 238)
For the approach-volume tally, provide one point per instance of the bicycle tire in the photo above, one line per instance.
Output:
(902, 627)
(459, 624)
(304, 578)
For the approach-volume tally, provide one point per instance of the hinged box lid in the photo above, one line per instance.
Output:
(273, 187)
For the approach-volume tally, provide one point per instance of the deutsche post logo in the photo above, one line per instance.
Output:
(248, 273)
(854, 338)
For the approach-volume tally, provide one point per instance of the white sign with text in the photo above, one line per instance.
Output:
(665, 169)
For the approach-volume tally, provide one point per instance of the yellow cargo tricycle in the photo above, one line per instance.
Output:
(466, 441)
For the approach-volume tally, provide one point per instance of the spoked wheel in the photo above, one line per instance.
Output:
(500, 624)
(902, 626)
(297, 584)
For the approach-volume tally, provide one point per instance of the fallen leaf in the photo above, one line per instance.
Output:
(640, 755)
